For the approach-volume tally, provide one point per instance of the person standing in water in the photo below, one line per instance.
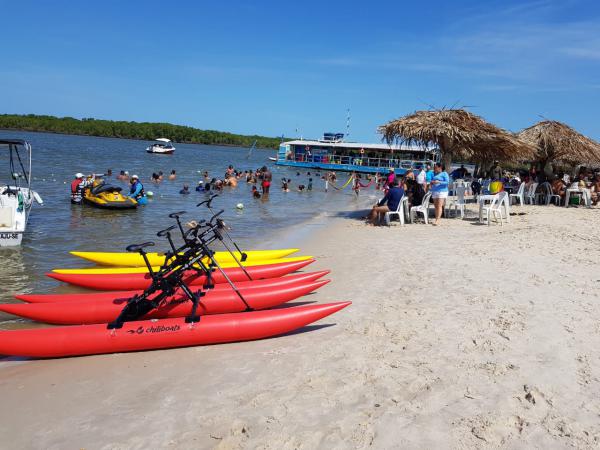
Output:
(267, 177)
(136, 191)
(77, 187)
(173, 175)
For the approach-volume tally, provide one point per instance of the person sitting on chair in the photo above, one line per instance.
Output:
(388, 203)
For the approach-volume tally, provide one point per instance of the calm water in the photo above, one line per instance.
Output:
(58, 227)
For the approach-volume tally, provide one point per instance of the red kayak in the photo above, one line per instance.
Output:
(219, 302)
(134, 281)
(164, 333)
(112, 295)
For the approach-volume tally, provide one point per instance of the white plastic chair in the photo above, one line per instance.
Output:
(587, 197)
(459, 202)
(494, 210)
(505, 201)
(530, 196)
(400, 212)
(519, 195)
(553, 197)
(545, 195)
(423, 208)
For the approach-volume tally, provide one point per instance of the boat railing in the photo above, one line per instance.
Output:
(396, 163)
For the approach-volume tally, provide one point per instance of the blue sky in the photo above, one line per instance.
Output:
(271, 67)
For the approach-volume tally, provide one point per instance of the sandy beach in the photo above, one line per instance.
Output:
(460, 336)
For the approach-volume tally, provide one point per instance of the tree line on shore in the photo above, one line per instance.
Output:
(131, 130)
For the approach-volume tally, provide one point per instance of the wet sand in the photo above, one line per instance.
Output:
(460, 336)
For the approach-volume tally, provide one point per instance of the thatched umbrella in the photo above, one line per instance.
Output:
(557, 142)
(459, 134)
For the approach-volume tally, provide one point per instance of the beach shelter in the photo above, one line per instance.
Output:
(459, 134)
(558, 142)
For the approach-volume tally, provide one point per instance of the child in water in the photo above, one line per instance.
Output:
(309, 187)
(255, 192)
(284, 185)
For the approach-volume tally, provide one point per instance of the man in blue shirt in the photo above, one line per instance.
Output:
(137, 191)
(390, 202)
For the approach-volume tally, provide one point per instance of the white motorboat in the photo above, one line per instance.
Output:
(161, 146)
(16, 199)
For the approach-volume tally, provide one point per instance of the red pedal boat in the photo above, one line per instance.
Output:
(161, 333)
(103, 311)
(134, 281)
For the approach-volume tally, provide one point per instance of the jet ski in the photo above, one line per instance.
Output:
(102, 195)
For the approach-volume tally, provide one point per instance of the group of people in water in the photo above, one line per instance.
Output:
(207, 184)
(82, 182)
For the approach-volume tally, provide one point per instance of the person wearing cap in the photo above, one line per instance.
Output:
(77, 187)
(200, 187)
(137, 190)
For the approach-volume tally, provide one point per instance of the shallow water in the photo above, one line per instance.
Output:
(58, 227)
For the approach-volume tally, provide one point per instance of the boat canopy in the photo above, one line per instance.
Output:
(365, 146)
(13, 142)
(19, 164)
(163, 140)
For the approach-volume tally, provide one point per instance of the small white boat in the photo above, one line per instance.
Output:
(161, 146)
(16, 199)
(272, 158)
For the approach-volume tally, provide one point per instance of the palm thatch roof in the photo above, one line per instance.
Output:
(459, 134)
(556, 141)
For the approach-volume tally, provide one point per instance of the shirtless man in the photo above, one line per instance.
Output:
(230, 180)
(267, 177)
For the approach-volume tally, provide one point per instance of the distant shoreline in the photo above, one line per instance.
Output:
(144, 131)
(128, 139)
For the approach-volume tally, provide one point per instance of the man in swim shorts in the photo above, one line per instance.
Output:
(267, 177)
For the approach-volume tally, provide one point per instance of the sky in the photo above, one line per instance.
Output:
(295, 68)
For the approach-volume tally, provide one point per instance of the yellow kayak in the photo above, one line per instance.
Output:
(116, 259)
(120, 270)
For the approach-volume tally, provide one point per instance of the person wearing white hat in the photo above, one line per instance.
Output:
(137, 190)
(77, 187)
